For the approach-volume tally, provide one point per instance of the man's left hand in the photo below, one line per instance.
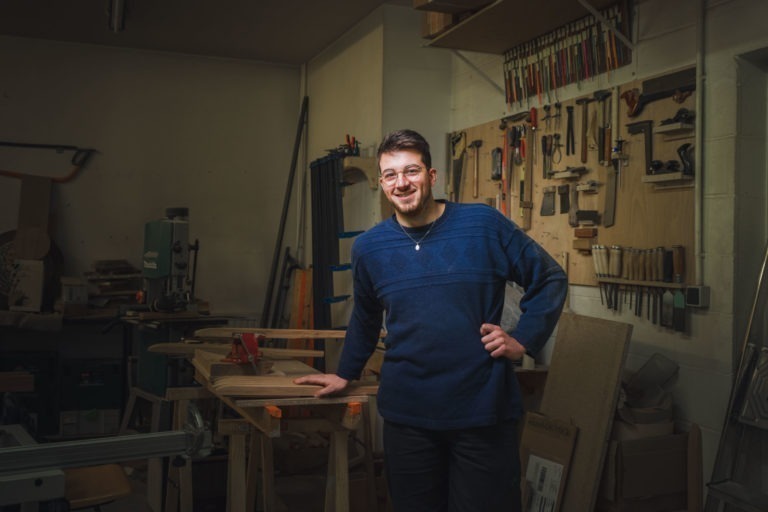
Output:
(500, 344)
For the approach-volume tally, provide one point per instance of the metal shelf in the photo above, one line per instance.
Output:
(648, 284)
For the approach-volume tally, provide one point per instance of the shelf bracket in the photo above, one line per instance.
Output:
(605, 22)
(480, 72)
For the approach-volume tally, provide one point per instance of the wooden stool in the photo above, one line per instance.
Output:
(93, 486)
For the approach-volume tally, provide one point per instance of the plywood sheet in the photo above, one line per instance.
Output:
(582, 388)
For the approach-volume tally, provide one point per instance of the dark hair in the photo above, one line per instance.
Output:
(406, 140)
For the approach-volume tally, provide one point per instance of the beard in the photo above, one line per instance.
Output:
(414, 204)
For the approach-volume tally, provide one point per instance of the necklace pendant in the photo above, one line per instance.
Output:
(418, 247)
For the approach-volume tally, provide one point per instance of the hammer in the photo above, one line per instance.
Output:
(601, 96)
(584, 102)
(475, 144)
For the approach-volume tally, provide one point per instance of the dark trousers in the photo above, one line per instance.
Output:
(465, 470)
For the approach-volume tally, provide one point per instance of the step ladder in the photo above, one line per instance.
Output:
(329, 177)
(740, 475)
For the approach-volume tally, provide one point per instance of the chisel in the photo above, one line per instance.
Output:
(678, 300)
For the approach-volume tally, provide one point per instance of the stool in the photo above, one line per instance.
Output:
(93, 486)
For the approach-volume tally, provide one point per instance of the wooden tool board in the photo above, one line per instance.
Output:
(647, 215)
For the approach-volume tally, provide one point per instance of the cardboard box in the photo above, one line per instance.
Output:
(27, 283)
(546, 448)
(435, 23)
(648, 475)
(623, 431)
(74, 291)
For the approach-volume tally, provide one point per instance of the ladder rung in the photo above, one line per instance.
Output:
(350, 234)
(338, 298)
(738, 495)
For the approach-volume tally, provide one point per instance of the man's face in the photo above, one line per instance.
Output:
(406, 182)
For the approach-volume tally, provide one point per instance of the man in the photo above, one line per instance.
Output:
(436, 272)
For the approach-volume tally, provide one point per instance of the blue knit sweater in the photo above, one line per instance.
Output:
(436, 372)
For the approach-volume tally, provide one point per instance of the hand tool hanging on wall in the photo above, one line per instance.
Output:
(548, 202)
(678, 86)
(458, 153)
(516, 138)
(601, 97)
(678, 299)
(476, 144)
(79, 158)
(534, 124)
(573, 220)
(558, 116)
(526, 183)
(562, 191)
(570, 140)
(584, 102)
(646, 128)
(684, 152)
(609, 211)
(496, 164)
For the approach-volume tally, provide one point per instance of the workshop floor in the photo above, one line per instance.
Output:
(299, 493)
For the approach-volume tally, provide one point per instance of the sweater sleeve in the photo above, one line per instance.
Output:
(364, 325)
(545, 285)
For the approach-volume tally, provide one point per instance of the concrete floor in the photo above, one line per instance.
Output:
(298, 493)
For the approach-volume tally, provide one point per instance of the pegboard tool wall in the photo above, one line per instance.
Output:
(647, 215)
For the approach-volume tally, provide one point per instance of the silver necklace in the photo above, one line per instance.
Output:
(417, 242)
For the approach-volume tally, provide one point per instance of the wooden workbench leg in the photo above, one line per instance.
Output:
(127, 413)
(267, 473)
(368, 446)
(236, 473)
(155, 465)
(179, 493)
(252, 474)
(337, 481)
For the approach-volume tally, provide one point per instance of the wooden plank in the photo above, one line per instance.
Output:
(251, 402)
(285, 334)
(188, 349)
(582, 388)
(268, 386)
(18, 382)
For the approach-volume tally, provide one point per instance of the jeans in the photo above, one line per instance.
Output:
(465, 470)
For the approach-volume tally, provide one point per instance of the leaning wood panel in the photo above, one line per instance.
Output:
(582, 388)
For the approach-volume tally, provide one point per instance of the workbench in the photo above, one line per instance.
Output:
(260, 401)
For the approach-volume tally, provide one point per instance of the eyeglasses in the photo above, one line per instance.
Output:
(389, 177)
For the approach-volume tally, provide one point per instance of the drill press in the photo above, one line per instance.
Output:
(169, 281)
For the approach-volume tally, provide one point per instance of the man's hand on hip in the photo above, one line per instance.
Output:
(500, 344)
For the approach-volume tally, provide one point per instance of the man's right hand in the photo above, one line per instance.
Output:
(331, 383)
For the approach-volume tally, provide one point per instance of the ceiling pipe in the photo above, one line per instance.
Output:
(116, 14)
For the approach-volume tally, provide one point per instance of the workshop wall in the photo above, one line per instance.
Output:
(375, 79)
(213, 135)
(733, 217)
